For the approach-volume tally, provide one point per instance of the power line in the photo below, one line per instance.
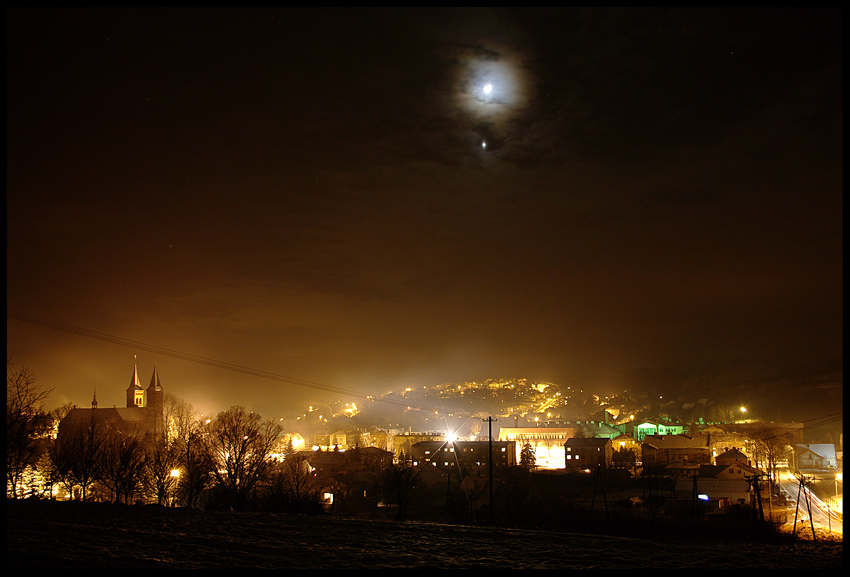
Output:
(202, 360)
(816, 421)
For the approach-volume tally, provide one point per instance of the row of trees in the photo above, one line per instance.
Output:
(227, 462)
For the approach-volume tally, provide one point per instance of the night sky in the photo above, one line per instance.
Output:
(644, 198)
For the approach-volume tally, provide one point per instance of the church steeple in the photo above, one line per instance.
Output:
(156, 404)
(155, 384)
(135, 392)
(94, 400)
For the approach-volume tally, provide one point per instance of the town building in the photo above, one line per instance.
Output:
(723, 485)
(731, 457)
(583, 453)
(816, 457)
(641, 429)
(680, 451)
(473, 456)
(403, 443)
(547, 442)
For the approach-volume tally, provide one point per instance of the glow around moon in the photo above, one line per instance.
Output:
(491, 85)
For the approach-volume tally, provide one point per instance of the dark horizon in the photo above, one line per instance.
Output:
(642, 198)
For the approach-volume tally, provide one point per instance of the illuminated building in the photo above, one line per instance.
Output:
(815, 458)
(143, 415)
(547, 442)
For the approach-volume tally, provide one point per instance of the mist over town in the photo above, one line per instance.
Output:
(424, 288)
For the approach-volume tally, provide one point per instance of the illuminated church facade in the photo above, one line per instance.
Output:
(144, 414)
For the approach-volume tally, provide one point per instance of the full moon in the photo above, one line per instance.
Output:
(488, 88)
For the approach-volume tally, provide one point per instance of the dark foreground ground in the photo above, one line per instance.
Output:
(46, 535)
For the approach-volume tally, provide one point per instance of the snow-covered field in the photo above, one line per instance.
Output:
(45, 535)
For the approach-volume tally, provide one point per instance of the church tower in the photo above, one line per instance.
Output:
(135, 392)
(156, 405)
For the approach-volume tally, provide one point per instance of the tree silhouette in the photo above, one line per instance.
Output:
(527, 457)
(26, 424)
(395, 485)
(239, 446)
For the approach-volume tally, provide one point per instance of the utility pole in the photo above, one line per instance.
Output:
(490, 461)
(754, 485)
(802, 489)
(599, 483)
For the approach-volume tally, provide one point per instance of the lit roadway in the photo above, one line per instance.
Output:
(823, 517)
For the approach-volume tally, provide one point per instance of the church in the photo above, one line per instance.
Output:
(144, 414)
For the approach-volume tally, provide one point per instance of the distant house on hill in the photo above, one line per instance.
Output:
(144, 414)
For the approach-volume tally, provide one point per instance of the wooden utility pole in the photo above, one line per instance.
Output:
(801, 488)
(754, 483)
(490, 461)
(599, 483)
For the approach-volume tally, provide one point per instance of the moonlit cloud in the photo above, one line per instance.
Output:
(492, 110)
(333, 196)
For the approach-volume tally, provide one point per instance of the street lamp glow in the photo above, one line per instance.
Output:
(451, 437)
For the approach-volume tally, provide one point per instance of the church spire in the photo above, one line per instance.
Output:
(155, 384)
(94, 400)
(135, 392)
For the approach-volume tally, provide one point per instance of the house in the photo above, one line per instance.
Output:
(403, 442)
(627, 442)
(598, 429)
(644, 428)
(581, 454)
(815, 457)
(329, 464)
(731, 456)
(343, 439)
(370, 458)
(731, 484)
(659, 451)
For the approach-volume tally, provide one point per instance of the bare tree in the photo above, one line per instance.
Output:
(121, 462)
(193, 464)
(161, 460)
(239, 446)
(770, 445)
(292, 487)
(60, 412)
(27, 424)
(76, 455)
(395, 485)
